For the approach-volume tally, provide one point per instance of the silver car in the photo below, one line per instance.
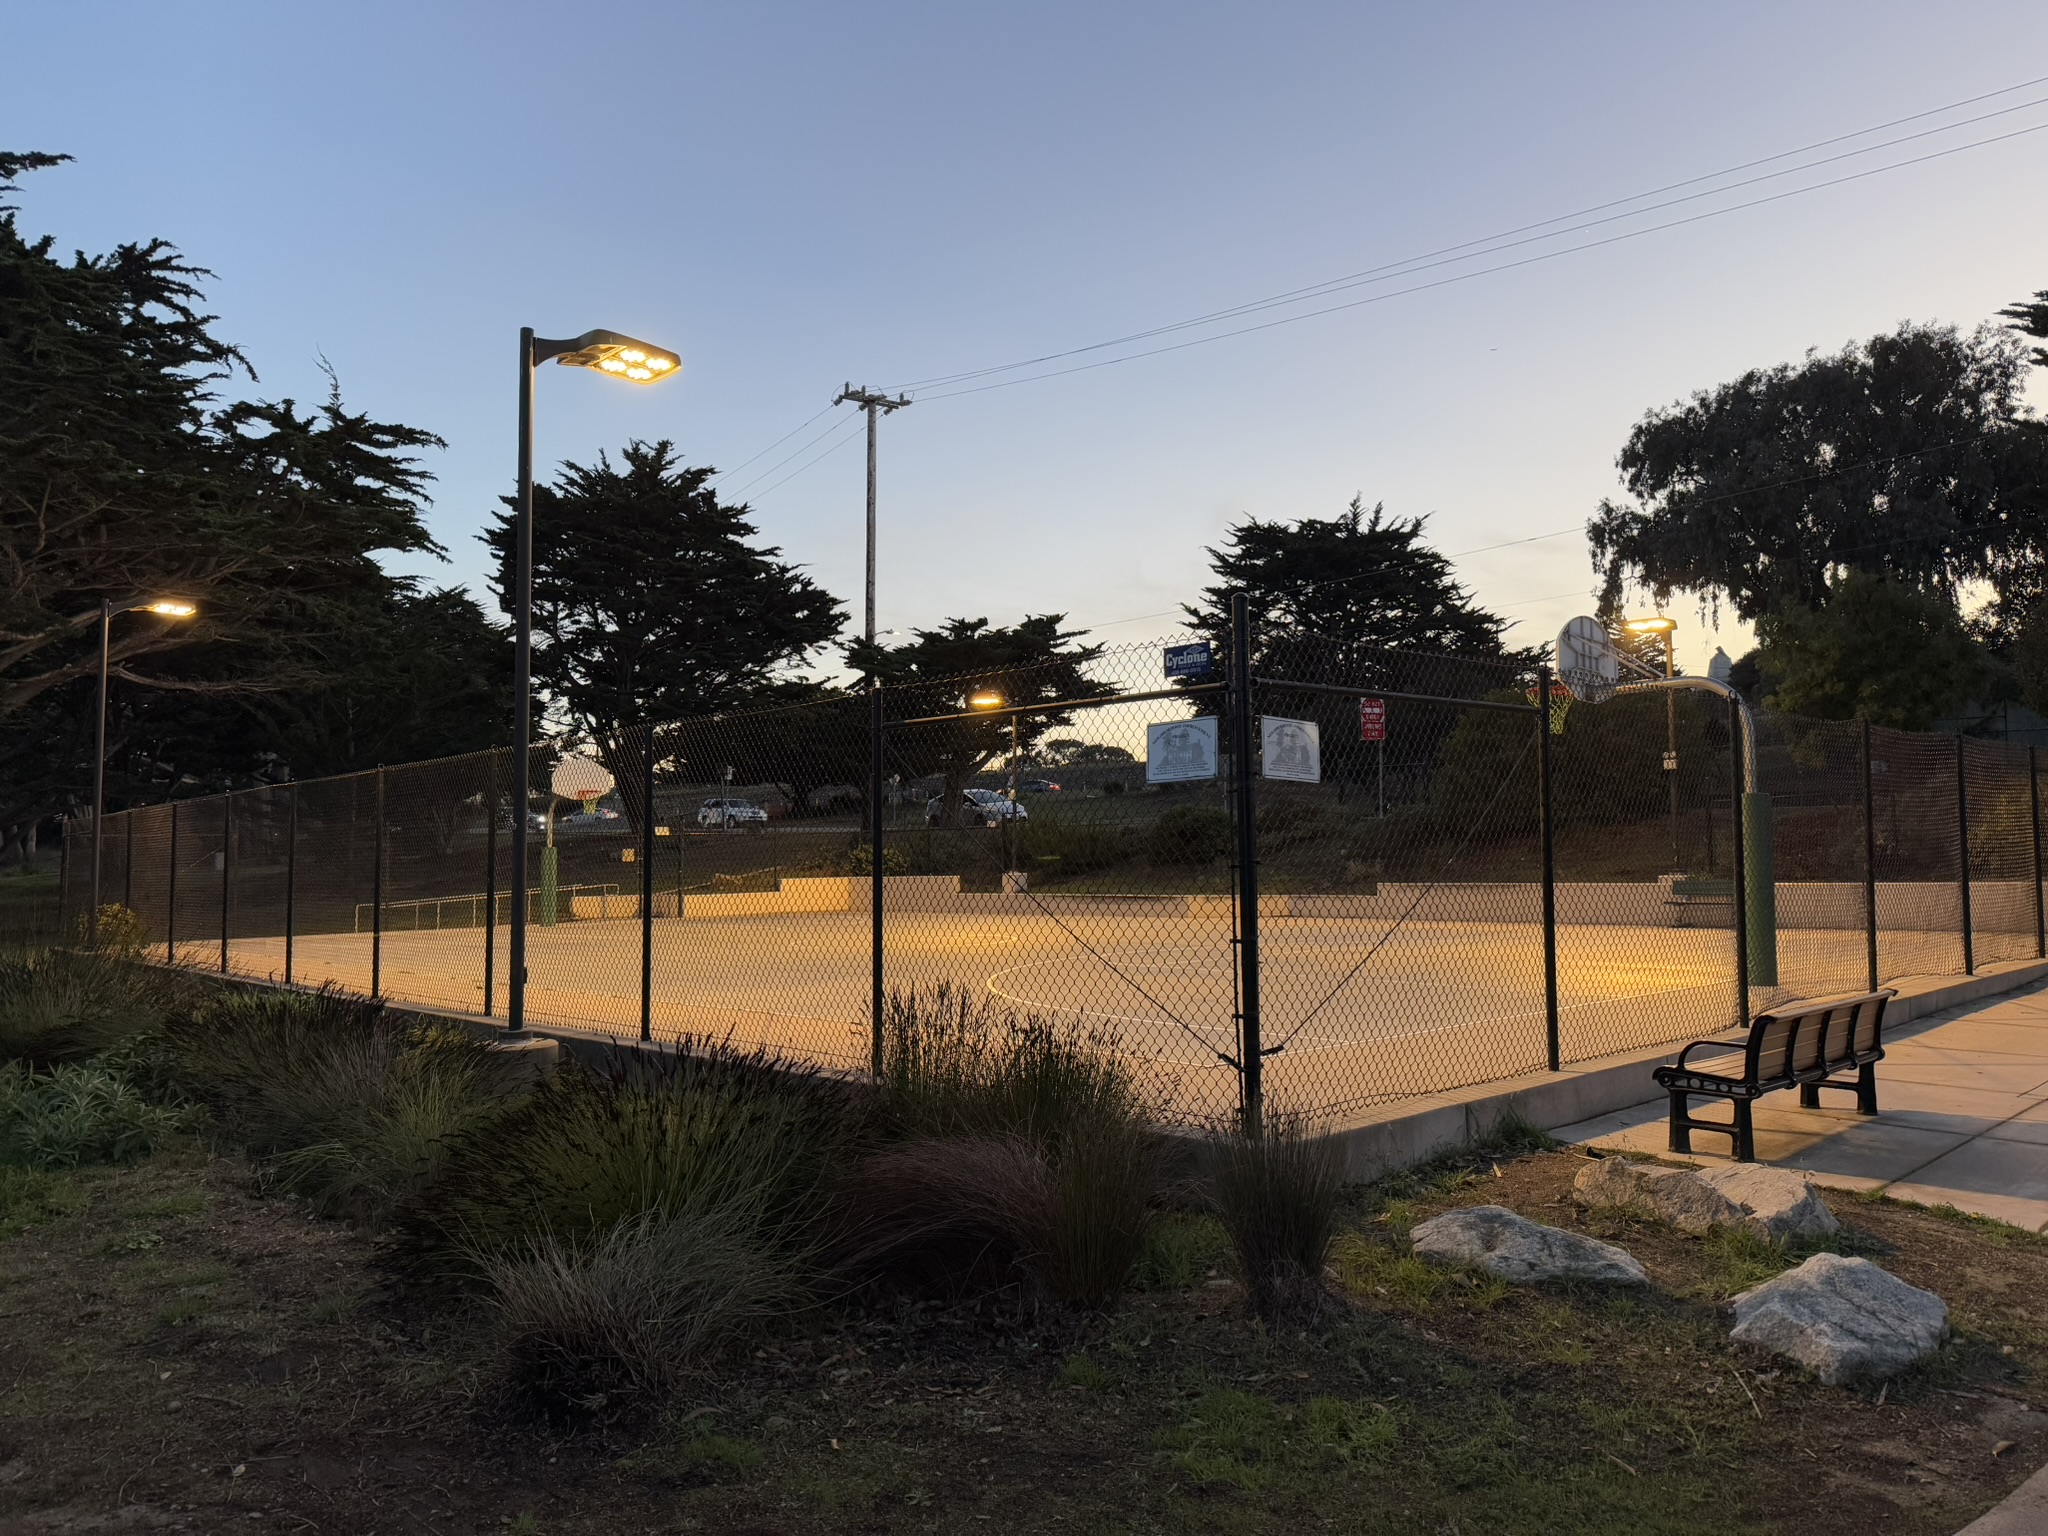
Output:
(983, 805)
(727, 811)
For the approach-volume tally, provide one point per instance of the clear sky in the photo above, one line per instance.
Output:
(794, 196)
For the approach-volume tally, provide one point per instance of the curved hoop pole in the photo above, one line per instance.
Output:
(1665, 684)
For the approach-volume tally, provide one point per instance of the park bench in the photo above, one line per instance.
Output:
(1802, 1047)
(1687, 895)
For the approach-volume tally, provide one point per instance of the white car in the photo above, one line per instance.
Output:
(730, 812)
(983, 805)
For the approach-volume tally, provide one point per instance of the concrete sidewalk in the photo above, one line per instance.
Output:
(1963, 1118)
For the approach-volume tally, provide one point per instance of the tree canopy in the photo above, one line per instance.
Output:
(1035, 663)
(1877, 649)
(1908, 456)
(1344, 588)
(125, 476)
(650, 599)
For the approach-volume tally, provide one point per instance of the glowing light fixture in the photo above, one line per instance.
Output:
(170, 608)
(1655, 624)
(607, 351)
(985, 700)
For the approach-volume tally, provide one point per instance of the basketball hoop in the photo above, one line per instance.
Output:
(581, 779)
(1587, 662)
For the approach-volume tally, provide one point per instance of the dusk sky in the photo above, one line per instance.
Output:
(794, 196)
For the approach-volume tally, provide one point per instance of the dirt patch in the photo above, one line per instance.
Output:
(183, 1354)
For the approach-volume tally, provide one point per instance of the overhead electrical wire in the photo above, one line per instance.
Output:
(1506, 266)
(1487, 245)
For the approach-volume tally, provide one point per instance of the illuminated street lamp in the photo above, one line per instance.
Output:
(988, 698)
(1661, 624)
(163, 608)
(622, 357)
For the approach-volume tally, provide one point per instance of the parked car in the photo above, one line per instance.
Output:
(728, 811)
(1038, 787)
(595, 816)
(983, 805)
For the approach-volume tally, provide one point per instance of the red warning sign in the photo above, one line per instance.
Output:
(1372, 719)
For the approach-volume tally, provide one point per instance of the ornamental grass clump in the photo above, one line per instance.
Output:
(628, 1223)
(1020, 1154)
(341, 1102)
(1276, 1195)
(64, 1005)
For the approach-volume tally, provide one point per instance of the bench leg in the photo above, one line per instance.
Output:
(1866, 1089)
(1681, 1129)
(1745, 1133)
(1809, 1095)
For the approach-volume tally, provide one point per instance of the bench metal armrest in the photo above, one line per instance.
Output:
(1723, 1045)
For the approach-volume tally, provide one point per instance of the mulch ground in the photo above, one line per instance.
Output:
(183, 1353)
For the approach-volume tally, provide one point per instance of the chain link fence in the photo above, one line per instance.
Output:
(1325, 877)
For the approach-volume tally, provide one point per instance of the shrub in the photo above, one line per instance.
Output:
(1061, 845)
(860, 860)
(1027, 1158)
(77, 1114)
(957, 1065)
(346, 1105)
(121, 932)
(633, 1307)
(67, 1005)
(1276, 1195)
(703, 1133)
(1190, 834)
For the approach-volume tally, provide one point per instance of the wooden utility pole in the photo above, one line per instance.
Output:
(876, 406)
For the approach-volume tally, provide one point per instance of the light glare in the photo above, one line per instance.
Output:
(171, 608)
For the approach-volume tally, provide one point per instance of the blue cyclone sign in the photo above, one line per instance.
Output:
(1196, 660)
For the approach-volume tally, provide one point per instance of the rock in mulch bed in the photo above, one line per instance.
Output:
(1842, 1319)
(1773, 1203)
(1523, 1252)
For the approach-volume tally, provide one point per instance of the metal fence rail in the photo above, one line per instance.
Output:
(1313, 876)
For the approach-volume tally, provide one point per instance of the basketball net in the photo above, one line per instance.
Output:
(1560, 705)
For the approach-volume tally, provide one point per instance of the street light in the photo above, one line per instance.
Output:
(621, 357)
(1661, 624)
(163, 608)
(988, 698)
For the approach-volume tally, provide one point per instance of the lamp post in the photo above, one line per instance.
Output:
(623, 358)
(163, 607)
(1659, 624)
(988, 698)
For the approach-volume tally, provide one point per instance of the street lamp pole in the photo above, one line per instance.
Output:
(622, 357)
(163, 607)
(1666, 627)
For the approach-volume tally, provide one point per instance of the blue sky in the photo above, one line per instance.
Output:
(798, 195)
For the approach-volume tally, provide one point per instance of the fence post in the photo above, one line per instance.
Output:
(1963, 856)
(128, 858)
(291, 877)
(647, 894)
(877, 890)
(1251, 1056)
(1547, 832)
(171, 902)
(227, 859)
(1869, 863)
(1737, 805)
(2034, 821)
(491, 886)
(377, 895)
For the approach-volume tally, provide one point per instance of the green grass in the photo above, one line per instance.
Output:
(74, 1114)
(1182, 1249)
(1229, 1438)
(1084, 1375)
(34, 1197)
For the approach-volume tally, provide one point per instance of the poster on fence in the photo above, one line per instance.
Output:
(1290, 749)
(1177, 751)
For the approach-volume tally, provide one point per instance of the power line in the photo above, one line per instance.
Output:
(792, 432)
(1507, 266)
(1489, 244)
